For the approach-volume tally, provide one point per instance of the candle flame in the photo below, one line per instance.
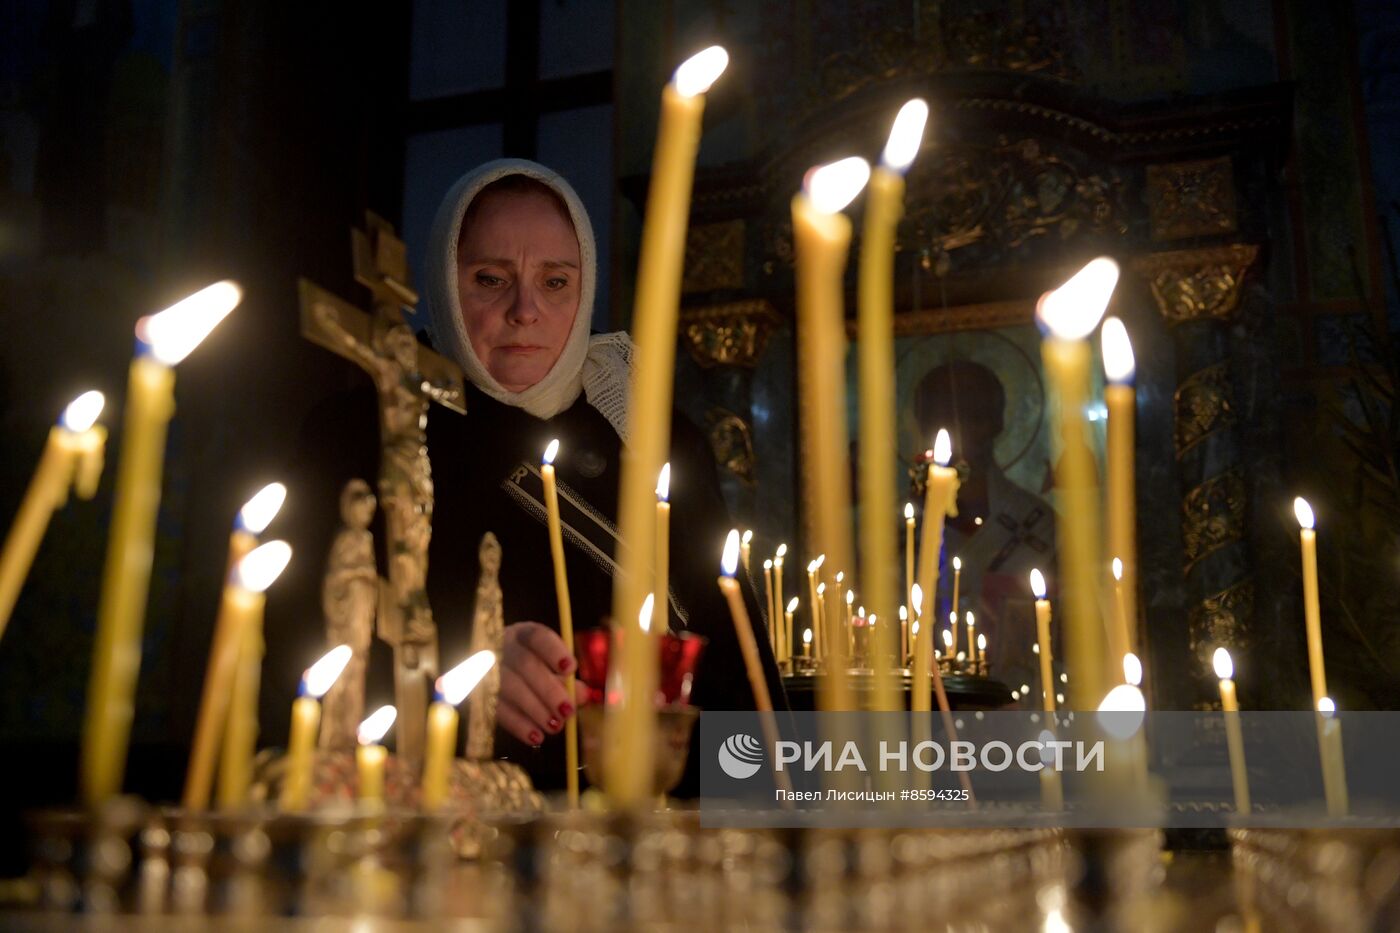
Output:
(663, 482)
(1304, 512)
(454, 686)
(1059, 698)
(952, 618)
(1132, 670)
(916, 596)
(840, 575)
(1015, 695)
(948, 638)
(903, 613)
(1025, 688)
(821, 559)
(792, 604)
(942, 447)
(971, 619)
(322, 675)
(258, 512)
(1118, 363)
(957, 563)
(860, 611)
(812, 566)
(729, 560)
(82, 412)
(981, 642)
(747, 536)
(1224, 664)
(551, 452)
(821, 589)
(173, 333)
(1117, 569)
(261, 566)
(644, 616)
(1064, 678)
(767, 565)
(1072, 311)
(1126, 707)
(832, 186)
(1327, 707)
(1035, 647)
(780, 553)
(699, 71)
(906, 135)
(806, 636)
(908, 511)
(914, 629)
(850, 597)
(376, 724)
(1038, 583)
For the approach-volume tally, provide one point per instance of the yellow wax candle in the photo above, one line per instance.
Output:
(768, 609)
(940, 500)
(1042, 630)
(240, 608)
(1239, 775)
(630, 723)
(450, 690)
(1329, 742)
(875, 348)
(1121, 401)
(1052, 794)
(1120, 638)
(957, 592)
(903, 634)
(784, 636)
(306, 724)
(1312, 614)
(971, 637)
(909, 580)
(566, 614)
(166, 338)
(787, 621)
(1069, 315)
(370, 755)
(660, 623)
(1121, 715)
(73, 443)
(745, 542)
(813, 567)
(822, 620)
(821, 240)
(982, 650)
(806, 642)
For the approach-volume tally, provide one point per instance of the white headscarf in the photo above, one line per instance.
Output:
(598, 366)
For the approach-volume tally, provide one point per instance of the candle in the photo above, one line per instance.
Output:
(971, 636)
(1120, 640)
(1042, 630)
(806, 642)
(1120, 716)
(370, 755)
(663, 549)
(768, 609)
(787, 620)
(1329, 741)
(566, 613)
(163, 339)
(957, 587)
(241, 607)
(982, 650)
(903, 634)
(1120, 399)
(822, 238)
(875, 351)
(72, 457)
(908, 569)
(630, 725)
(813, 568)
(744, 548)
(748, 647)
(1052, 795)
(449, 691)
(1312, 614)
(1239, 775)
(784, 636)
(1132, 670)
(1068, 315)
(306, 723)
(822, 620)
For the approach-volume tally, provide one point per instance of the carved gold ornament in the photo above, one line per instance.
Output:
(733, 334)
(1204, 404)
(1191, 284)
(1189, 199)
(1212, 516)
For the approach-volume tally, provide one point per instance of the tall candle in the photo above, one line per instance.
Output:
(982, 651)
(903, 634)
(784, 636)
(787, 620)
(240, 608)
(875, 351)
(1069, 315)
(971, 637)
(1052, 795)
(1312, 614)
(449, 691)
(813, 567)
(370, 755)
(745, 542)
(1234, 740)
(909, 580)
(1120, 637)
(1329, 740)
(1042, 630)
(306, 723)
(661, 624)
(566, 614)
(957, 588)
(940, 500)
(768, 609)
(75, 441)
(1121, 715)
(821, 617)
(163, 340)
(1121, 401)
(822, 238)
(630, 724)
(806, 642)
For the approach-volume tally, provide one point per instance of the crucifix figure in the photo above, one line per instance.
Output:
(408, 379)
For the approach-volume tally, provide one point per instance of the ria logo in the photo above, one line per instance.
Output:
(740, 756)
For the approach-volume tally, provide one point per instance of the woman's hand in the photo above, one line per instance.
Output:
(533, 701)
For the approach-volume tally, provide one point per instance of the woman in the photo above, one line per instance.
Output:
(510, 279)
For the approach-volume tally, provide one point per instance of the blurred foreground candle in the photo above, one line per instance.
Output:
(813, 568)
(875, 349)
(163, 340)
(566, 613)
(370, 755)
(1120, 640)
(822, 239)
(1121, 716)
(768, 609)
(449, 692)
(1329, 741)
(957, 591)
(784, 634)
(1042, 630)
(630, 724)
(1121, 401)
(1234, 739)
(240, 609)
(306, 723)
(744, 548)
(1312, 614)
(1068, 315)
(72, 458)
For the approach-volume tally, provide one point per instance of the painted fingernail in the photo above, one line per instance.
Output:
(565, 664)
(566, 709)
(553, 724)
(536, 738)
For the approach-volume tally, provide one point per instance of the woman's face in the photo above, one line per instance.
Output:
(518, 284)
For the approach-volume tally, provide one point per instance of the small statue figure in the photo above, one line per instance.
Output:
(349, 598)
(488, 633)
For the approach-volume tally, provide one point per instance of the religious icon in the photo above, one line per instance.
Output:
(349, 597)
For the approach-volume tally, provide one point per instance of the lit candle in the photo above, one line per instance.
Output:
(787, 620)
(982, 650)
(806, 642)
(72, 457)
(370, 755)
(784, 636)
(1120, 639)
(948, 643)
(1052, 795)
(940, 501)
(1121, 715)
(1329, 741)
(1312, 614)
(1042, 631)
(630, 725)
(1132, 670)
(909, 579)
(768, 609)
(663, 550)
(971, 636)
(1239, 775)
(822, 619)
(1120, 400)
(566, 613)
(1069, 315)
(822, 239)
(449, 691)
(744, 548)
(957, 589)
(875, 351)
(903, 634)
(240, 608)
(813, 568)
(306, 723)
(163, 340)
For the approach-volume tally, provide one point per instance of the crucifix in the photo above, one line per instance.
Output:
(409, 378)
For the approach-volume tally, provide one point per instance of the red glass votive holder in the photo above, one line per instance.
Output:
(679, 655)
